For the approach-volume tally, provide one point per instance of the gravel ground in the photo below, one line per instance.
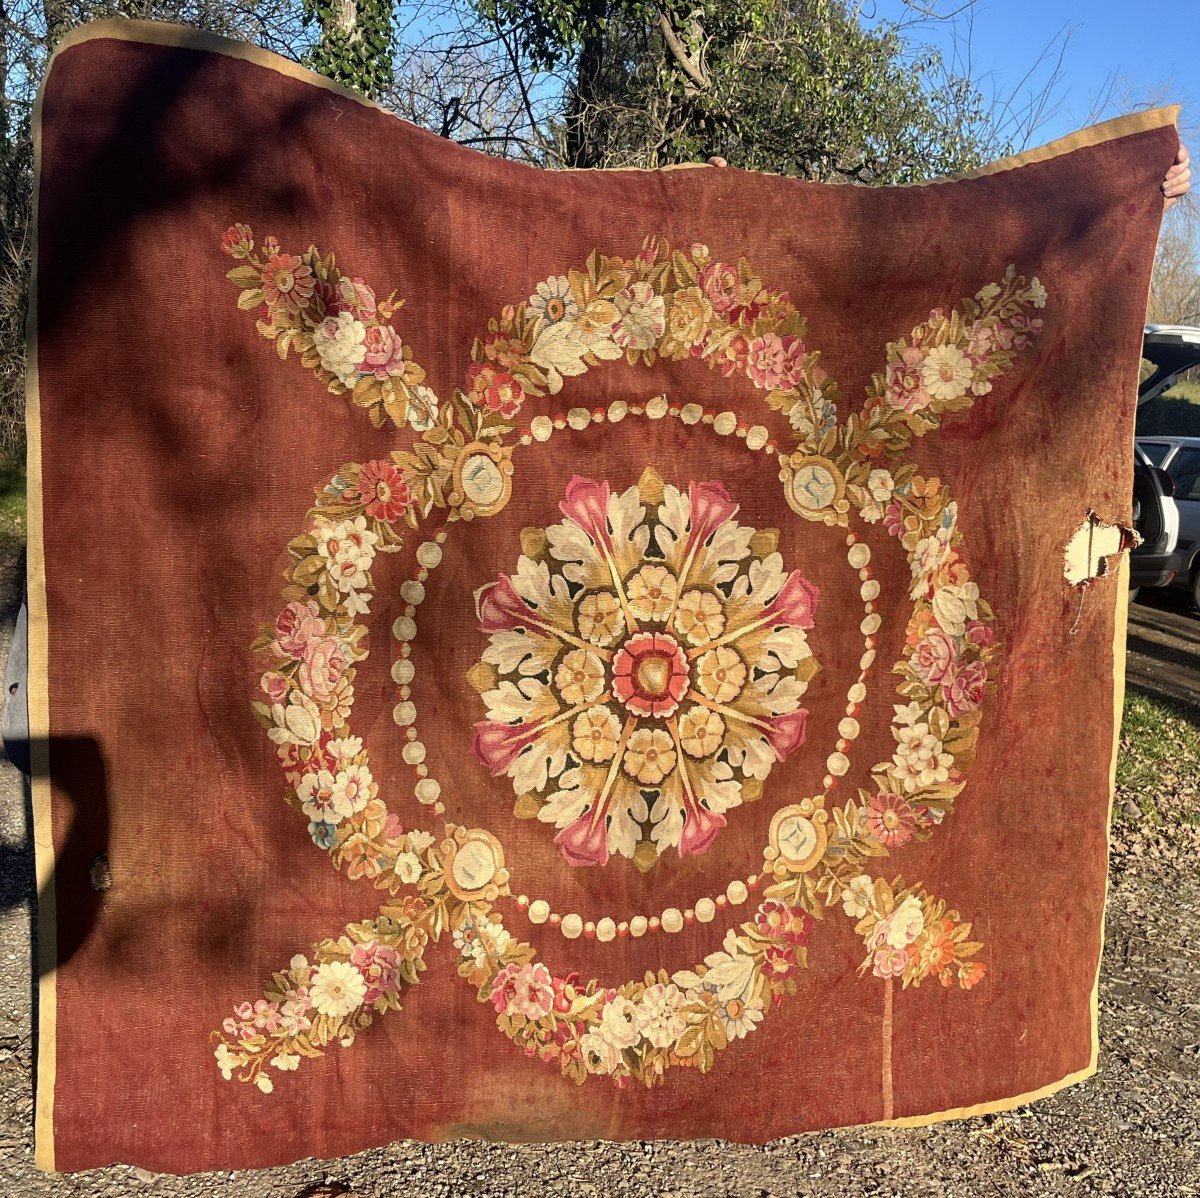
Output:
(1131, 1130)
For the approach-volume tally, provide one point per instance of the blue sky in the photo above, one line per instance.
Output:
(1140, 50)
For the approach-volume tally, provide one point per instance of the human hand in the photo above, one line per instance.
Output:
(1179, 178)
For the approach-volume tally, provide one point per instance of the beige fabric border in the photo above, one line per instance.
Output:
(38, 693)
(161, 34)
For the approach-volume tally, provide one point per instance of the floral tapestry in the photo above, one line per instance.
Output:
(558, 655)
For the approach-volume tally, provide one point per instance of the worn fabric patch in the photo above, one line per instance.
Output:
(559, 655)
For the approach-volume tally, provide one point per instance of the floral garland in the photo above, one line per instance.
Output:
(658, 304)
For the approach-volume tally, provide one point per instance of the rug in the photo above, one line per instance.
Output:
(560, 655)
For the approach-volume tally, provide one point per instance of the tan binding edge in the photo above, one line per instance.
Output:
(38, 693)
(162, 34)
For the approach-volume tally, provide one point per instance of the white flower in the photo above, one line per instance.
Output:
(908, 714)
(408, 867)
(352, 789)
(348, 549)
(337, 989)
(345, 748)
(619, 1022)
(553, 301)
(296, 723)
(340, 342)
(264, 1083)
(904, 924)
(286, 1062)
(226, 1061)
(357, 603)
(477, 942)
(316, 795)
(600, 1054)
(927, 558)
(642, 319)
(859, 897)
(659, 1019)
(422, 408)
(419, 841)
(919, 758)
(1037, 293)
(946, 372)
(955, 606)
(881, 485)
(738, 1018)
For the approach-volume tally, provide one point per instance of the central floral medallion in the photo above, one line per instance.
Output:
(644, 668)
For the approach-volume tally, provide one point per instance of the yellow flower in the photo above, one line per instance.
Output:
(580, 677)
(700, 617)
(721, 674)
(649, 756)
(701, 732)
(652, 592)
(594, 735)
(689, 317)
(600, 618)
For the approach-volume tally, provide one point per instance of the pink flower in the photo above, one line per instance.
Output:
(889, 962)
(935, 656)
(384, 355)
(383, 490)
(780, 921)
(979, 633)
(586, 502)
(523, 990)
(500, 608)
(700, 827)
(894, 518)
(773, 361)
(355, 295)
(891, 820)
(287, 282)
(275, 686)
(380, 966)
(719, 283)
(711, 507)
(964, 691)
(905, 390)
(237, 241)
(495, 390)
(498, 745)
(322, 669)
(796, 603)
(786, 733)
(650, 674)
(779, 961)
(585, 842)
(296, 625)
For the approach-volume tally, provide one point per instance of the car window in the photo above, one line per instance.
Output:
(1156, 451)
(1185, 473)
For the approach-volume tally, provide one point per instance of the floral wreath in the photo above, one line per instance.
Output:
(678, 306)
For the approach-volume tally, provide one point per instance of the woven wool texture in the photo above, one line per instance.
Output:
(558, 655)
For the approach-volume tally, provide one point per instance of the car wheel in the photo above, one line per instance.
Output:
(1196, 588)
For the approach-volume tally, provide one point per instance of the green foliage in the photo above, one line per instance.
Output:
(355, 47)
(1159, 758)
(798, 87)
